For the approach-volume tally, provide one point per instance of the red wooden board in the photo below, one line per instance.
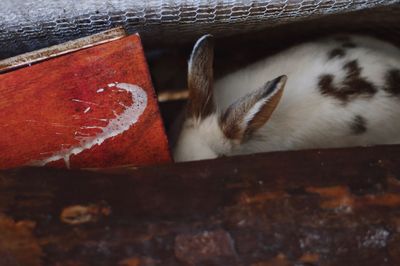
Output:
(92, 108)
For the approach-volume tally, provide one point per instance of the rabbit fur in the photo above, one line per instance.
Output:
(339, 91)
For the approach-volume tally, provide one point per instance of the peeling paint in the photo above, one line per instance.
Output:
(115, 126)
(309, 258)
(279, 260)
(388, 199)
(261, 197)
(376, 239)
(18, 245)
(194, 249)
(337, 197)
(80, 214)
(341, 200)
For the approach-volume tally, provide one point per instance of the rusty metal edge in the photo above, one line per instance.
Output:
(61, 49)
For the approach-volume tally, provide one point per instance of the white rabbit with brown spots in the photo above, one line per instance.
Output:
(335, 92)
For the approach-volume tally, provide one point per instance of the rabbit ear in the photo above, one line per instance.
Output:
(200, 78)
(252, 111)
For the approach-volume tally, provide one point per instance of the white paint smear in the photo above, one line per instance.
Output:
(100, 90)
(116, 126)
(86, 110)
(80, 101)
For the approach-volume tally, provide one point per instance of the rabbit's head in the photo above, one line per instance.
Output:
(208, 132)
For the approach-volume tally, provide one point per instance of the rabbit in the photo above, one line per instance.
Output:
(338, 91)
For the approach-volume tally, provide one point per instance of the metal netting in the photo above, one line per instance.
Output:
(26, 25)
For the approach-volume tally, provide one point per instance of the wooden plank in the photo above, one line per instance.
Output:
(92, 108)
(178, 95)
(61, 49)
(322, 207)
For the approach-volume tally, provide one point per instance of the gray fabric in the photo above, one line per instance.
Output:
(26, 25)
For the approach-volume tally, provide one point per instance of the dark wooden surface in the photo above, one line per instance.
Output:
(328, 207)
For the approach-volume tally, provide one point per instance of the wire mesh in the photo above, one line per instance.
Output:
(26, 25)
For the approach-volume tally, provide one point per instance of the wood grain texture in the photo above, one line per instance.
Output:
(61, 49)
(322, 207)
(54, 106)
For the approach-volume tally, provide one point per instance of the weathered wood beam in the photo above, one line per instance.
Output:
(61, 49)
(327, 207)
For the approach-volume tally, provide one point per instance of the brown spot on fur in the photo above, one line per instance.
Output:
(326, 86)
(393, 82)
(352, 86)
(353, 69)
(200, 79)
(338, 52)
(358, 125)
(354, 83)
